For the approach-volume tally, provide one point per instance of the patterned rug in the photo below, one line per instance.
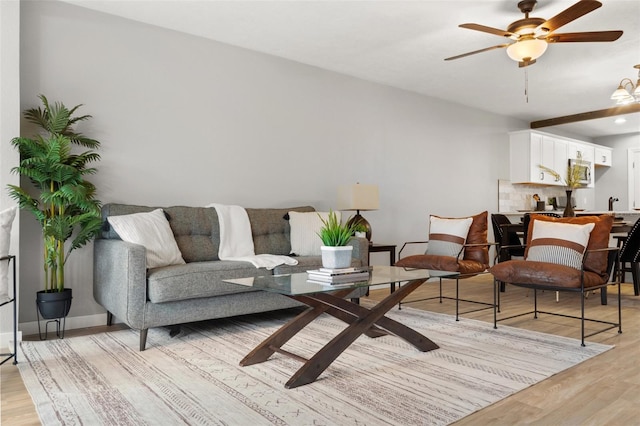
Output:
(194, 378)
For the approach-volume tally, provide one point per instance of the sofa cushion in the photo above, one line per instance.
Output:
(271, 230)
(197, 232)
(197, 279)
(152, 231)
(561, 243)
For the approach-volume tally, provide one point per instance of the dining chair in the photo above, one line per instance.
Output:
(630, 255)
(508, 245)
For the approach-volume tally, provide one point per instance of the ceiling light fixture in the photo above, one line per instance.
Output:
(527, 50)
(627, 92)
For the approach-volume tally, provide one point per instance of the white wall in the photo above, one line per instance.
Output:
(185, 120)
(9, 128)
(613, 181)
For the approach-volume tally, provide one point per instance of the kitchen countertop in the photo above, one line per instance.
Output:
(579, 212)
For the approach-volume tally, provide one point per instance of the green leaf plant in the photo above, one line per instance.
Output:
(333, 233)
(61, 199)
(572, 180)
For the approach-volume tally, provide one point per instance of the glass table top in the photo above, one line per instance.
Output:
(298, 284)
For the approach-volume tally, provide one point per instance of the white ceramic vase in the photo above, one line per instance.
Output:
(336, 257)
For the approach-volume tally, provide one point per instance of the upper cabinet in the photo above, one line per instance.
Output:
(530, 149)
(580, 150)
(603, 156)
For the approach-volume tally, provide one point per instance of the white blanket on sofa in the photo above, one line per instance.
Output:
(236, 242)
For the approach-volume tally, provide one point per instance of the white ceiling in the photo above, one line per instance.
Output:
(403, 44)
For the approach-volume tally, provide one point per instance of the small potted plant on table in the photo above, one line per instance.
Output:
(336, 253)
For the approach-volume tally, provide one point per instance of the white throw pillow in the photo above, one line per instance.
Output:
(305, 227)
(447, 236)
(6, 221)
(560, 243)
(151, 230)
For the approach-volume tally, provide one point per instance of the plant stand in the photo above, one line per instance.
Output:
(7, 356)
(57, 321)
(54, 308)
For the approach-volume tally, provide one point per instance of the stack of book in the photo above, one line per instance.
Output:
(339, 276)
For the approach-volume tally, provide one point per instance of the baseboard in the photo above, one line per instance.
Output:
(6, 341)
(29, 328)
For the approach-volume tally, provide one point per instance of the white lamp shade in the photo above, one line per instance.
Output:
(530, 49)
(358, 197)
(620, 93)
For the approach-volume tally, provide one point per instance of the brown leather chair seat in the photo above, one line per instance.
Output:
(527, 273)
(443, 263)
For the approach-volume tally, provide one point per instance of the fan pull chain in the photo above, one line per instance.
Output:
(526, 84)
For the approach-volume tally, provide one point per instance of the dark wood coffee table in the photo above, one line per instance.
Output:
(330, 299)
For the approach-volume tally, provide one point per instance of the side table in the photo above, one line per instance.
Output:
(391, 249)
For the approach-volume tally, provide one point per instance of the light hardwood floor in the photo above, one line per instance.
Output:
(604, 390)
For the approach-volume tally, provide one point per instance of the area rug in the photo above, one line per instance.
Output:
(194, 378)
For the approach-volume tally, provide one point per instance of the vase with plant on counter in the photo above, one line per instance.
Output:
(573, 181)
(56, 162)
(335, 236)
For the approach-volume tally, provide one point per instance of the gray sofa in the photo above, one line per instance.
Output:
(194, 291)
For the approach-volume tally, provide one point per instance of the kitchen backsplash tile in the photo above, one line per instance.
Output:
(514, 197)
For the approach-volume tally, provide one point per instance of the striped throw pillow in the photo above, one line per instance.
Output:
(560, 243)
(447, 236)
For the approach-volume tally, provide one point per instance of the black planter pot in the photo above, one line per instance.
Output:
(53, 305)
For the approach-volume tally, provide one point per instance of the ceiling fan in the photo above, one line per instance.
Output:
(532, 35)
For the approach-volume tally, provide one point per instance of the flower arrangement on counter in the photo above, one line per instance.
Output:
(572, 180)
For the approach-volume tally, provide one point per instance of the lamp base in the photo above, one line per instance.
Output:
(359, 220)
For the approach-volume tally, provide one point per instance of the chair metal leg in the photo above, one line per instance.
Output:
(496, 294)
(582, 316)
(457, 299)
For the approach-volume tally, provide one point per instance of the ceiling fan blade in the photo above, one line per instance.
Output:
(571, 13)
(500, 46)
(490, 30)
(584, 37)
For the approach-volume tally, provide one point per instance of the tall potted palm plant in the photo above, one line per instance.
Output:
(61, 199)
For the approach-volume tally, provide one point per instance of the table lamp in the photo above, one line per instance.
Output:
(359, 197)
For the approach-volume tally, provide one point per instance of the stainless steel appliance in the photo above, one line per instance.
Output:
(584, 170)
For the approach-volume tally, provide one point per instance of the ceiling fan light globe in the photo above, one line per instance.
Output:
(530, 49)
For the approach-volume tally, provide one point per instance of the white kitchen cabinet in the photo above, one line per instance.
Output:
(603, 156)
(529, 150)
(577, 149)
